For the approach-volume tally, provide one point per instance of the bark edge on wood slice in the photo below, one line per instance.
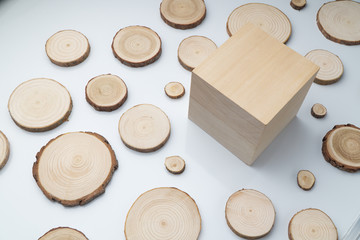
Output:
(305, 179)
(175, 164)
(4, 149)
(174, 90)
(63, 233)
(298, 4)
(318, 110)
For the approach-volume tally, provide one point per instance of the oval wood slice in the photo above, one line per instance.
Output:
(63, 233)
(67, 48)
(136, 46)
(250, 214)
(163, 213)
(175, 164)
(297, 4)
(265, 16)
(339, 21)
(40, 104)
(74, 168)
(106, 92)
(309, 224)
(144, 128)
(305, 179)
(174, 90)
(318, 110)
(4, 149)
(194, 50)
(183, 14)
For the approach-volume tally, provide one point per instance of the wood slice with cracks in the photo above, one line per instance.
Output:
(297, 4)
(318, 110)
(305, 179)
(4, 150)
(174, 90)
(63, 233)
(175, 164)
(163, 213)
(74, 168)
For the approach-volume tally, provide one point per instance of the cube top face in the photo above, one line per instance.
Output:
(256, 72)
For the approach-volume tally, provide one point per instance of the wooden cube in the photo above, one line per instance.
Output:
(248, 90)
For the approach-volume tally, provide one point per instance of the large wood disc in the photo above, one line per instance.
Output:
(269, 18)
(63, 233)
(4, 149)
(339, 21)
(183, 14)
(175, 164)
(163, 213)
(249, 214)
(174, 90)
(67, 48)
(144, 128)
(74, 168)
(40, 104)
(136, 46)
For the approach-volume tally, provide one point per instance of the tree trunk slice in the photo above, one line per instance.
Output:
(40, 104)
(268, 18)
(136, 46)
(74, 168)
(67, 48)
(4, 150)
(318, 110)
(339, 21)
(106, 92)
(331, 67)
(297, 4)
(309, 224)
(249, 214)
(63, 233)
(341, 147)
(183, 14)
(144, 128)
(305, 179)
(163, 213)
(174, 90)
(194, 50)
(175, 164)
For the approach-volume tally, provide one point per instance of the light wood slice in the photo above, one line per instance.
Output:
(339, 21)
(174, 90)
(267, 17)
(249, 214)
(40, 104)
(67, 48)
(63, 233)
(194, 50)
(331, 67)
(74, 168)
(310, 224)
(183, 14)
(4, 149)
(144, 128)
(106, 92)
(298, 4)
(136, 46)
(305, 179)
(341, 147)
(163, 213)
(318, 110)
(175, 164)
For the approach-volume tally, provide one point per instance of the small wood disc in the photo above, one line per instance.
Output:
(305, 179)
(136, 46)
(309, 224)
(318, 110)
(297, 4)
(265, 16)
(40, 104)
(331, 67)
(63, 233)
(249, 214)
(74, 168)
(175, 164)
(183, 14)
(106, 92)
(174, 90)
(67, 48)
(163, 213)
(194, 50)
(144, 128)
(4, 149)
(339, 21)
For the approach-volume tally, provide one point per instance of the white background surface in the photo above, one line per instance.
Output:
(212, 173)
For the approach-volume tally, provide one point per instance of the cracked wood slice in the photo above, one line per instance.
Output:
(67, 48)
(174, 90)
(136, 46)
(318, 110)
(163, 213)
(183, 14)
(63, 233)
(268, 18)
(4, 150)
(175, 164)
(40, 104)
(74, 168)
(298, 4)
(250, 214)
(305, 179)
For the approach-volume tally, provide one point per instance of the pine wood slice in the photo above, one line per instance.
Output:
(144, 128)
(250, 214)
(310, 224)
(174, 90)
(67, 48)
(305, 179)
(339, 21)
(163, 213)
(267, 17)
(136, 46)
(74, 168)
(297, 4)
(183, 14)
(63, 233)
(175, 164)
(4, 149)
(40, 104)
(318, 110)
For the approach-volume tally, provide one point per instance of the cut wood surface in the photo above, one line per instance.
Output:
(339, 21)
(4, 150)
(183, 14)
(250, 214)
(265, 16)
(40, 104)
(63, 233)
(174, 90)
(74, 168)
(175, 164)
(67, 48)
(318, 110)
(305, 179)
(298, 4)
(163, 213)
(136, 46)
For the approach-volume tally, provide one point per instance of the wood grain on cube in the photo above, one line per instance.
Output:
(297, 4)
(305, 179)
(4, 149)
(174, 90)
(318, 110)
(63, 233)
(175, 164)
